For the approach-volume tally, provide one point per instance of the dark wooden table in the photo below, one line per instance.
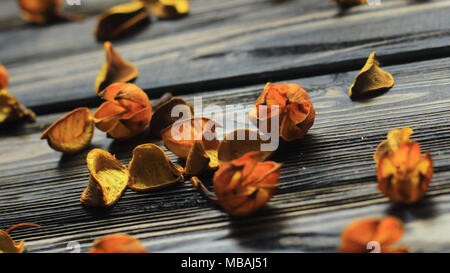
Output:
(224, 52)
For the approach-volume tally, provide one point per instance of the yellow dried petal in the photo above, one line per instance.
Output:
(239, 142)
(162, 117)
(11, 111)
(7, 244)
(72, 133)
(114, 70)
(121, 20)
(150, 168)
(118, 243)
(371, 79)
(108, 179)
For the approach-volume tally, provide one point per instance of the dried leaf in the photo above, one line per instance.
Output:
(239, 142)
(72, 133)
(162, 117)
(403, 173)
(126, 112)
(121, 20)
(370, 80)
(45, 11)
(150, 168)
(244, 185)
(7, 244)
(4, 78)
(181, 135)
(114, 70)
(11, 111)
(118, 243)
(168, 9)
(295, 110)
(107, 181)
(359, 235)
(202, 157)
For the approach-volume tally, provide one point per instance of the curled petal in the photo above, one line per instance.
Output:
(201, 158)
(370, 79)
(108, 179)
(114, 70)
(121, 20)
(118, 243)
(181, 135)
(239, 142)
(7, 244)
(167, 113)
(72, 133)
(150, 168)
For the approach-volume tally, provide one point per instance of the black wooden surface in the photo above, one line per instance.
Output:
(328, 179)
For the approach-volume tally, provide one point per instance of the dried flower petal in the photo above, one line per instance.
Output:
(181, 135)
(358, 236)
(296, 113)
(162, 117)
(72, 133)
(126, 112)
(202, 157)
(239, 142)
(7, 245)
(11, 111)
(244, 185)
(371, 79)
(403, 173)
(114, 70)
(108, 179)
(121, 20)
(168, 9)
(45, 11)
(4, 77)
(118, 243)
(150, 168)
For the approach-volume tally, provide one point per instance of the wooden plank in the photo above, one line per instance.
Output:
(227, 48)
(327, 179)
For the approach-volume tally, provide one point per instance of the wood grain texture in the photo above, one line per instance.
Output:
(223, 45)
(328, 179)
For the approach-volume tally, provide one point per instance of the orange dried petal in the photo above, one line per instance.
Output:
(121, 20)
(4, 77)
(389, 231)
(118, 243)
(7, 244)
(395, 138)
(114, 70)
(71, 133)
(108, 179)
(239, 142)
(180, 136)
(370, 79)
(150, 168)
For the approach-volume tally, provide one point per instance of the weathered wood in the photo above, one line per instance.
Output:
(229, 45)
(327, 179)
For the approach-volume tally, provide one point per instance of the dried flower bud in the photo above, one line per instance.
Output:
(362, 236)
(168, 9)
(7, 245)
(12, 111)
(72, 133)
(150, 168)
(126, 112)
(4, 77)
(121, 20)
(202, 157)
(108, 179)
(181, 135)
(239, 142)
(118, 243)
(296, 113)
(44, 11)
(162, 117)
(244, 185)
(114, 70)
(371, 80)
